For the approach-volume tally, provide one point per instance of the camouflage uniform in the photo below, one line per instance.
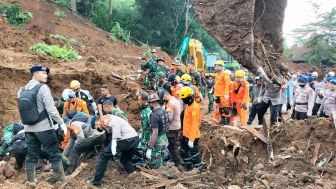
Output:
(118, 112)
(150, 79)
(160, 85)
(164, 69)
(210, 88)
(196, 77)
(145, 126)
(157, 156)
(180, 72)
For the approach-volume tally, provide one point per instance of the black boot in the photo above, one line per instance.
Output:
(31, 172)
(58, 173)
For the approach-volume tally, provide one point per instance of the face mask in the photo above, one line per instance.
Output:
(189, 100)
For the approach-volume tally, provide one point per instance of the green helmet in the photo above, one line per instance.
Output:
(160, 58)
(160, 75)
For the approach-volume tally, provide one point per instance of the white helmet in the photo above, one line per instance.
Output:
(314, 74)
(331, 74)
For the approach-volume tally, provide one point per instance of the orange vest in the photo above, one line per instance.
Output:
(192, 121)
(243, 95)
(79, 104)
(222, 84)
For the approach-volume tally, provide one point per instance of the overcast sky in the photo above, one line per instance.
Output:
(300, 12)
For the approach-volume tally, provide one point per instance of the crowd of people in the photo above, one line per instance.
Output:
(62, 129)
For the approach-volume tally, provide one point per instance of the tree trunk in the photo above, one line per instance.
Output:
(186, 26)
(74, 5)
(110, 11)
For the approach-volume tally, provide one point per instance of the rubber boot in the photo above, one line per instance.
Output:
(58, 173)
(31, 172)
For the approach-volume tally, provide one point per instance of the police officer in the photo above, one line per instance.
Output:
(40, 133)
(303, 99)
(329, 100)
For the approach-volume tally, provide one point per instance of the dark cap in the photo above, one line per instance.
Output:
(153, 98)
(37, 68)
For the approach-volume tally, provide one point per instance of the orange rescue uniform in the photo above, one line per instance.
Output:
(192, 121)
(79, 104)
(240, 95)
(221, 89)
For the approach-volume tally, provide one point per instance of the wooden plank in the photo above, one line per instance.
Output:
(315, 154)
(256, 133)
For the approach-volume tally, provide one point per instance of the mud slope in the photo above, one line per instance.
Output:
(250, 30)
(102, 57)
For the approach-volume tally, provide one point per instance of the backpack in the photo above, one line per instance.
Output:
(28, 106)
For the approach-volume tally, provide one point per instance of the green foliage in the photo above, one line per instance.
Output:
(118, 33)
(60, 14)
(15, 15)
(65, 3)
(67, 39)
(63, 53)
(319, 38)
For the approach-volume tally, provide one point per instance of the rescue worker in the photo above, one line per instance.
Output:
(92, 138)
(40, 133)
(124, 140)
(59, 104)
(203, 85)
(257, 92)
(173, 107)
(176, 84)
(195, 75)
(329, 101)
(84, 95)
(74, 105)
(210, 83)
(319, 91)
(241, 97)
(271, 97)
(159, 121)
(178, 70)
(149, 71)
(189, 149)
(161, 66)
(161, 80)
(145, 119)
(105, 95)
(186, 80)
(154, 57)
(303, 100)
(221, 93)
(110, 109)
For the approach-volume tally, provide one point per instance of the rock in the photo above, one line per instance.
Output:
(2, 178)
(292, 149)
(258, 166)
(170, 164)
(284, 172)
(290, 175)
(9, 172)
(278, 162)
(261, 184)
(319, 182)
(233, 187)
(179, 186)
(300, 152)
(91, 59)
(304, 174)
(259, 173)
(172, 173)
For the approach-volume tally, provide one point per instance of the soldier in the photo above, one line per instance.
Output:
(161, 80)
(210, 83)
(161, 66)
(149, 70)
(145, 119)
(195, 75)
(159, 121)
(178, 70)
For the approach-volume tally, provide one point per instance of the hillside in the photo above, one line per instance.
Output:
(102, 57)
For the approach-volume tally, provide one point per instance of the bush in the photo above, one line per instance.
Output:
(65, 3)
(119, 33)
(60, 14)
(67, 39)
(15, 15)
(63, 53)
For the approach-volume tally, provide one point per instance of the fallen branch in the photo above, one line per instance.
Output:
(170, 182)
(315, 154)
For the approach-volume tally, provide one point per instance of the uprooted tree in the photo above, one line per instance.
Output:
(250, 30)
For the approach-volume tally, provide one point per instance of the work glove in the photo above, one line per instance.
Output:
(243, 106)
(226, 111)
(114, 146)
(191, 144)
(309, 114)
(149, 154)
(217, 99)
(64, 128)
(226, 97)
(259, 99)
(320, 96)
